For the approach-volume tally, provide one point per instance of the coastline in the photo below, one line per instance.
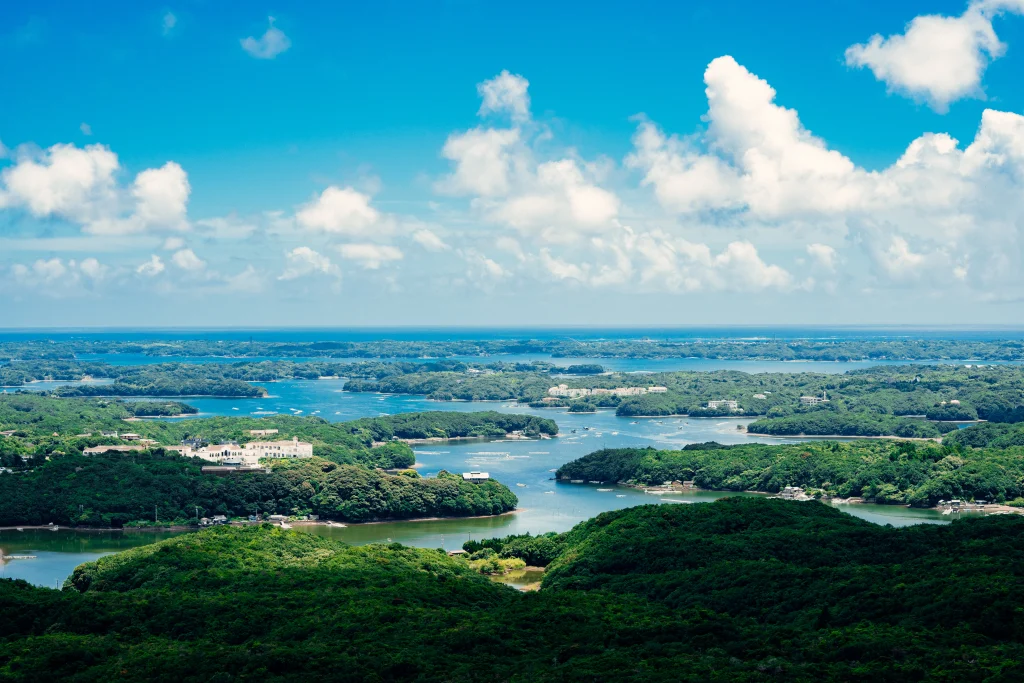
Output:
(298, 522)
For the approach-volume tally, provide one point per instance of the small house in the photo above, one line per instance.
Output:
(475, 476)
(457, 553)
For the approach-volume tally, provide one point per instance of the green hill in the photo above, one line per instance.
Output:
(736, 590)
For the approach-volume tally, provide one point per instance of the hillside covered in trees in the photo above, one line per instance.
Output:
(52, 480)
(880, 471)
(112, 490)
(738, 590)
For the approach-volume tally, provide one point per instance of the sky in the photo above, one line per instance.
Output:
(461, 162)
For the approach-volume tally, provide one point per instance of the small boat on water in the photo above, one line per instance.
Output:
(54, 528)
(522, 485)
(596, 482)
(234, 409)
(554, 470)
(575, 481)
(285, 526)
(620, 495)
(337, 525)
(549, 492)
(605, 490)
(539, 452)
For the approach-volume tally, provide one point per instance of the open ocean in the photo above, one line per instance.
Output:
(299, 334)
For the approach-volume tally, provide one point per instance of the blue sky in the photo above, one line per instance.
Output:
(543, 163)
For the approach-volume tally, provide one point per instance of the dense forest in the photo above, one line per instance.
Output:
(111, 490)
(919, 474)
(878, 348)
(738, 590)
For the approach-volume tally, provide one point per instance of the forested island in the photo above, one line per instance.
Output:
(114, 490)
(903, 472)
(919, 401)
(898, 348)
(739, 590)
(52, 479)
(908, 401)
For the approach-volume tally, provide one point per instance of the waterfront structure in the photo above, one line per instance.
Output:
(565, 391)
(724, 403)
(814, 400)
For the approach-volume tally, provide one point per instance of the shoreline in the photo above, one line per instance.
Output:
(298, 522)
(936, 439)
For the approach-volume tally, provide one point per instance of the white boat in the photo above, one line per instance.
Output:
(338, 525)
(539, 453)
(522, 485)
(575, 481)
(285, 526)
(605, 490)
(234, 409)
(620, 495)
(549, 492)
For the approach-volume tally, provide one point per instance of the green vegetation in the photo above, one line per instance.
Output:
(897, 348)
(535, 551)
(53, 481)
(112, 490)
(738, 590)
(988, 435)
(906, 401)
(880, 471)
(36, 415)
(46, 426)
(832, 423)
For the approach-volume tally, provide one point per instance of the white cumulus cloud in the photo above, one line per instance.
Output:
(370, 256)
(429, 240)
(186, 259)
(344, 211)
(272, 43)
(154, 266)
(304, 261)
(937, 58)
(505, 92)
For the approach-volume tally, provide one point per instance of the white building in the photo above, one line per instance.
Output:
(814, 400)
(475, 476)
(724, 403)
(564, 391)
(262, 432)
(251, 453)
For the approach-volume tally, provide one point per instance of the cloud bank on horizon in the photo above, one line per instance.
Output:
(748, 201)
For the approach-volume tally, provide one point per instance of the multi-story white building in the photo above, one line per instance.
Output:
(564, 391)
(250, 453)
(724, 403)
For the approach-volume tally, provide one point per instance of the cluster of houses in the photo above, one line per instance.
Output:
(565, 391)
(793, 493)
